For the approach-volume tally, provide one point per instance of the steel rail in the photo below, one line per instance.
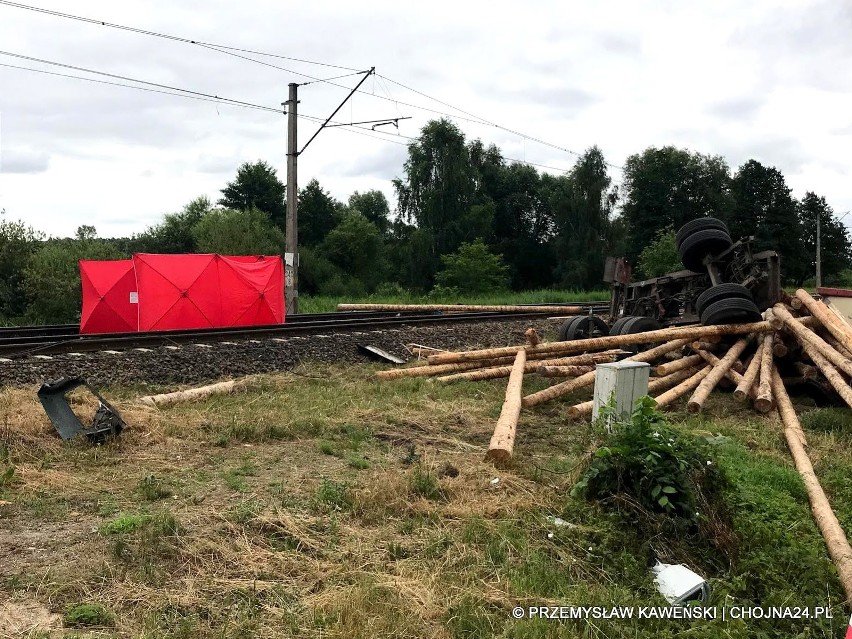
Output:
(47, 345)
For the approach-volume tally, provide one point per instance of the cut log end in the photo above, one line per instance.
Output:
(764, 404)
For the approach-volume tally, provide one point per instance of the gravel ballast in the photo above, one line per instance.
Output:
(193, 364)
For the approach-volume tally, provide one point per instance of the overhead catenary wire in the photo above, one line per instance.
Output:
(230, 50)
(143, 82)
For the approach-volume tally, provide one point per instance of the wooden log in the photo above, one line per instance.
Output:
(428, 371)
(716, 374)
(829, 339)
(532, 337)
(681, 389)
(502, 362)
(816, 343)
(465, 308)
(503, 440)
(498, 372)
(806, 371)
(731, 375)
(841, 331)
(563, 371)
(563, 388)
(834, 378)
(419, 350)
(177, 397)
(743, 389)
(817, 308)
(704, 345)
(763, 401)
(832, 532)
(779, 348)
(688, 333)
(662, 370)
(584, 409)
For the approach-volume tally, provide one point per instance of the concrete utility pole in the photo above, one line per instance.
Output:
(291, 231)
(818, 256)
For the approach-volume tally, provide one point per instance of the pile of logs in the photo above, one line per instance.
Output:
(802, 339)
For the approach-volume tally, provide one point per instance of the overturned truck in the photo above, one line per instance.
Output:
(724, 282)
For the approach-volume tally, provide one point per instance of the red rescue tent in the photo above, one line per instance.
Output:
(181, 292)
(207, 291)
(109, 296)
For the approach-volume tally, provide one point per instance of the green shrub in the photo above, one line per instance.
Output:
(85, 614)
(646, 462)
(473, 269)
(660, 256)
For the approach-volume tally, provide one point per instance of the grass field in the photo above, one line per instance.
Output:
(327, 504)
(319, 304)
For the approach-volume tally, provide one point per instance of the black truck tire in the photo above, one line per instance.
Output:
(731, 310)
(583, 327)
(721, 292)
(699, 224)
(697, 246)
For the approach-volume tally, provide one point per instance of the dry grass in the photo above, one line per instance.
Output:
(263, 534)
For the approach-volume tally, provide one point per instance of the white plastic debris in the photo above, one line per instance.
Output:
(678, 584)
(556, 521)
(495, 481)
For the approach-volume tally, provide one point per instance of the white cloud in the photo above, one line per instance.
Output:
(762, 79)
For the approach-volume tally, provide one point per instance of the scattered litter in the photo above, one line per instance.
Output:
(556, 521)
(495, 481)
(106, 422)
(678, 584)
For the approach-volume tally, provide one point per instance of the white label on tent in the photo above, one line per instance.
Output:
(134, 297)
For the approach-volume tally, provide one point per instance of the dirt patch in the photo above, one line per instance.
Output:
(19, 618)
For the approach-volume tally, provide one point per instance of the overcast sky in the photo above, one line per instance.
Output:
(767, 80)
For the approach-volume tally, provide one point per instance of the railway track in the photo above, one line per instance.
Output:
(48, 340)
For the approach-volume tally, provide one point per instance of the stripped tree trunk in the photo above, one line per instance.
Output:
(829, 526)
(465, 308)
(503, 440)
(717, 373)
(688, 333)
(570, 386)
(668, 368)
(744, 387)
(804, 336)
(190, 394)
(841, 330)
(763, 401)
(563, 371)
(683, 388)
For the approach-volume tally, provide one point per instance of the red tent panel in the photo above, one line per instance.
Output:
(107, 304)
(177, 291)
(252, 292)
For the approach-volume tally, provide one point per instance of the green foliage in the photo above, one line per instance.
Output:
(834, 420)
(87, 614)
(355, 246)
(835, 247)
(374, 206)
(667, 187)
(175, 233)
(654, 465)
(52, 277)
(124, 524)
(473, 269)
(256, 186)
(18, 242)
(333, 496)
(424, 484)
(231, 232)
(318, 214)
(660, 256)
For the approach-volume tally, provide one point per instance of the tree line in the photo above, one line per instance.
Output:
(465, 220)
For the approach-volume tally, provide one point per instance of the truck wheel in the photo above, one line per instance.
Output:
(636, 325)
(583, 327)
(615, 329)
(697, 246)
(721, 292)
(699, 224)
(731, 310)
